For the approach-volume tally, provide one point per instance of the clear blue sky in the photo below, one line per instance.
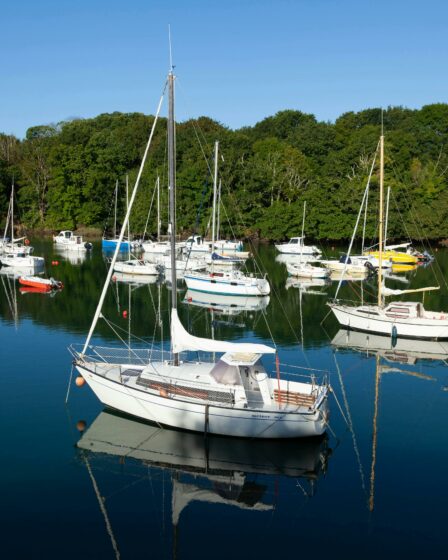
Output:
(236, 61)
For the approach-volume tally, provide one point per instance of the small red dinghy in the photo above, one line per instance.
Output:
(40, 284)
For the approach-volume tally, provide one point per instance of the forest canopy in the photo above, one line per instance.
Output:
(65, 174)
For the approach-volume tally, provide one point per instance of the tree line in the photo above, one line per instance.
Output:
(65, 174)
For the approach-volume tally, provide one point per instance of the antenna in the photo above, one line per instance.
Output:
(382, 122)
(171, 53)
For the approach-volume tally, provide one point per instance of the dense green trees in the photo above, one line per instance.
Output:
(65, 174)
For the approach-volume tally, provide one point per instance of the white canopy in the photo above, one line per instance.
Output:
(399, 246)
(182, 341)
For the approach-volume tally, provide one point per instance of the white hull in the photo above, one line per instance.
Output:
(349, 269)
(219, 420)
(373, 319)
(235, 286)
(307, 271)
(137, 267)
(26, 262)
(289, 249)
(156, 247)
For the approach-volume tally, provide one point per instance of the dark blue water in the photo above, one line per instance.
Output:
(78, 482)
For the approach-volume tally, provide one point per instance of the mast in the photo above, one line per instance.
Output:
(303, 231)
(218, 217)
(115, 218)
(158, 208)
(381, 219)
(12, 214)
(215, 188)
(127, 206)
(172, 189)
(387, 216)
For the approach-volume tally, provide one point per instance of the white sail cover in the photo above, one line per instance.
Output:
(181, 341)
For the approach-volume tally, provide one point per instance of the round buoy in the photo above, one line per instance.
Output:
(80, 381)
(163, 393)
(56, 263)
(125, 314)
(27, 241)
(81, 425)
(190, 299)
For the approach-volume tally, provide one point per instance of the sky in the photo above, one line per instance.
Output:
(235, 61)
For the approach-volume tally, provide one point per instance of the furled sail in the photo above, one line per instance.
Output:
(182, 341)
(390, 292)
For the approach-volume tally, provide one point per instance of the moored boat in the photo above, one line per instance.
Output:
(40, 284)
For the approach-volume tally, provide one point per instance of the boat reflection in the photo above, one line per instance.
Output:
(222, 467)
(75, 258)
(285, 258)
(226, 305)
(307, 285)
(135, 279)
(399, 350)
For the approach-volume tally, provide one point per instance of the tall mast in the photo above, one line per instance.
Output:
(129, 229)
(218, 213)
(158, 208)
(215, 188)
(381, 219)
(172, 189)
(12, 214)
(387, 217)
(303, 231)
(115, 218)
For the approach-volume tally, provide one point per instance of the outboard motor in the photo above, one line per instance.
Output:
(370, 267)
(88, 246)
(345, 259)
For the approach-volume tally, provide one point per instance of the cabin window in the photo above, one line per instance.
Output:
(226, 374)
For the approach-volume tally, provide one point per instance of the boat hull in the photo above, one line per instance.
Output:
(226, 421)
(110, 244)
(211, 285)
(352, 318)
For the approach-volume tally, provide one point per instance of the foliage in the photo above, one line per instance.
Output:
(65, 174)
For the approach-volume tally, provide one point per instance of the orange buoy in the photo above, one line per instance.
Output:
(125, 314)
(163, 393)
(27, 241)
(80, 381)
(81, 425)
(56, 263)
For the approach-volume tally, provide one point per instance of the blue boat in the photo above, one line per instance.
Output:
(110, 244)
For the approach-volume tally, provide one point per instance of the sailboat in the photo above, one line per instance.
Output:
(109, 243)
(132, 265)
(391, 252)
(16, 254)
(399, 318)
(232, 282)
(232, 395)
(305, 269)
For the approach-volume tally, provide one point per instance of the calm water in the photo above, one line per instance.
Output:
(376, 485)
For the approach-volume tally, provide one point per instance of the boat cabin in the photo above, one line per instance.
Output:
(295, 241)
(247, 374)
(66, 235)
(404, 310)
(197, 241)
